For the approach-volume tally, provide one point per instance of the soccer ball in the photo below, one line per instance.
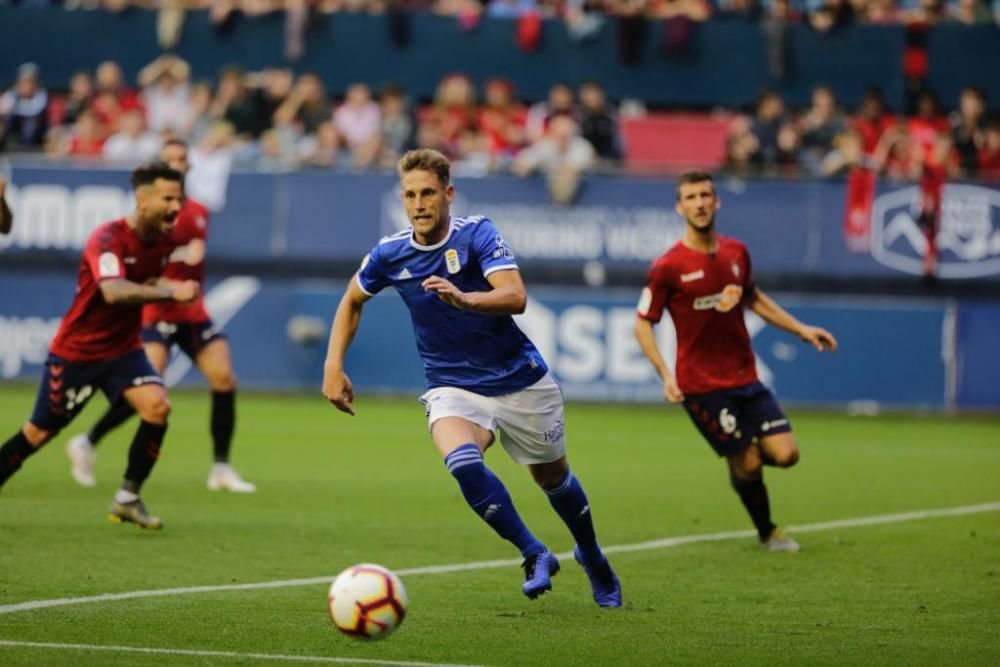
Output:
(367, 601)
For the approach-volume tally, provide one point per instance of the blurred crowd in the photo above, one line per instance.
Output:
(274, 120)
(823, 141)
(582, 16)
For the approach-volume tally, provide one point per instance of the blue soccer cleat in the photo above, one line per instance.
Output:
(603, 581)
(538, 572)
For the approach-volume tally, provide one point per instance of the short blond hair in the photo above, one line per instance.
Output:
(425, 159)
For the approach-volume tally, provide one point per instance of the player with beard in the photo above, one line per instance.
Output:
(704, 282)
(97, 345)
(189, 327)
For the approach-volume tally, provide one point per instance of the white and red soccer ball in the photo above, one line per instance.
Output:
(367, 601)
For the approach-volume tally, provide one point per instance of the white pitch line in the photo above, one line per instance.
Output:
(227, 654)
(665, 543)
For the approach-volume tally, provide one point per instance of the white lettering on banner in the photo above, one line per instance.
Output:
(587, 344)
(25, 341)
(968, 240)
(580, 332)
(55, 216)
(626, 362)
(543, 231)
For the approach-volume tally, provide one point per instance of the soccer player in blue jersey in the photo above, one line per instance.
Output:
(461, 283)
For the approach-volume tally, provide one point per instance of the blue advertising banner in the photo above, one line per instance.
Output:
(894, 352)
(790, 227)
(978, 333)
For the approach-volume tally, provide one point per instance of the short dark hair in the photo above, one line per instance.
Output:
(425, 159)
(149, 173)
(174, 141)
(693, 176)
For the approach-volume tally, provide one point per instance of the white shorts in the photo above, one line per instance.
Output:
(531, 422)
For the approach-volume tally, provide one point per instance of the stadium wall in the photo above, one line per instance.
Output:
(935, 354)
(328, 221)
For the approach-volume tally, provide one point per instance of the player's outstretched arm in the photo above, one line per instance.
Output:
(337, 386)
(508, 296)
(774, 314)
(124, 292)
(647, 343)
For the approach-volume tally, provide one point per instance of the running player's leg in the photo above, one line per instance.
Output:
(214, 360)
(746, 474)
(729, 420)
(462, 444)
(568, 499)
(135, 381)
(778, 447)
(532, 430)
(462, 429)
(64, 389)
(215, 363)
(81, 448)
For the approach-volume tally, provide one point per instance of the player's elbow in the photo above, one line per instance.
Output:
(519, 302)
(110, 292)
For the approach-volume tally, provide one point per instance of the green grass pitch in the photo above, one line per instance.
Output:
(336, 490)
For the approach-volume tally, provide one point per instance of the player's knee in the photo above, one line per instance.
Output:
(36, 435)
(156, 410)
(786, 457)
(745, 466)
(549, 481)
(223, 381)
(550, 475)
(790, 458)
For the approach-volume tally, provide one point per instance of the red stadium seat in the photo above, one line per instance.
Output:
(673, 142)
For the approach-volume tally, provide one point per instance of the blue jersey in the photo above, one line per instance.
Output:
(485, 354)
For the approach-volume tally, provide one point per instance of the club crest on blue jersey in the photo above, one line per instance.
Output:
(451, 261)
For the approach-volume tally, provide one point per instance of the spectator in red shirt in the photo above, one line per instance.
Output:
(85, 139)
(928, 121)
(939, 164)
(501, 118)
(872, 120)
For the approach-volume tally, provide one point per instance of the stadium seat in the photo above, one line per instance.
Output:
(660, 141)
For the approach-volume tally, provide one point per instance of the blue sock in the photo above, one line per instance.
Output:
(570, 502)
(488, 498)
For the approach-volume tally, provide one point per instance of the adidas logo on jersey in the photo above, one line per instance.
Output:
(404, 274)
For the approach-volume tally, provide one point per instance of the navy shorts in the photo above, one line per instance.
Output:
(730, 419)
(191, 337)
(66, 386)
